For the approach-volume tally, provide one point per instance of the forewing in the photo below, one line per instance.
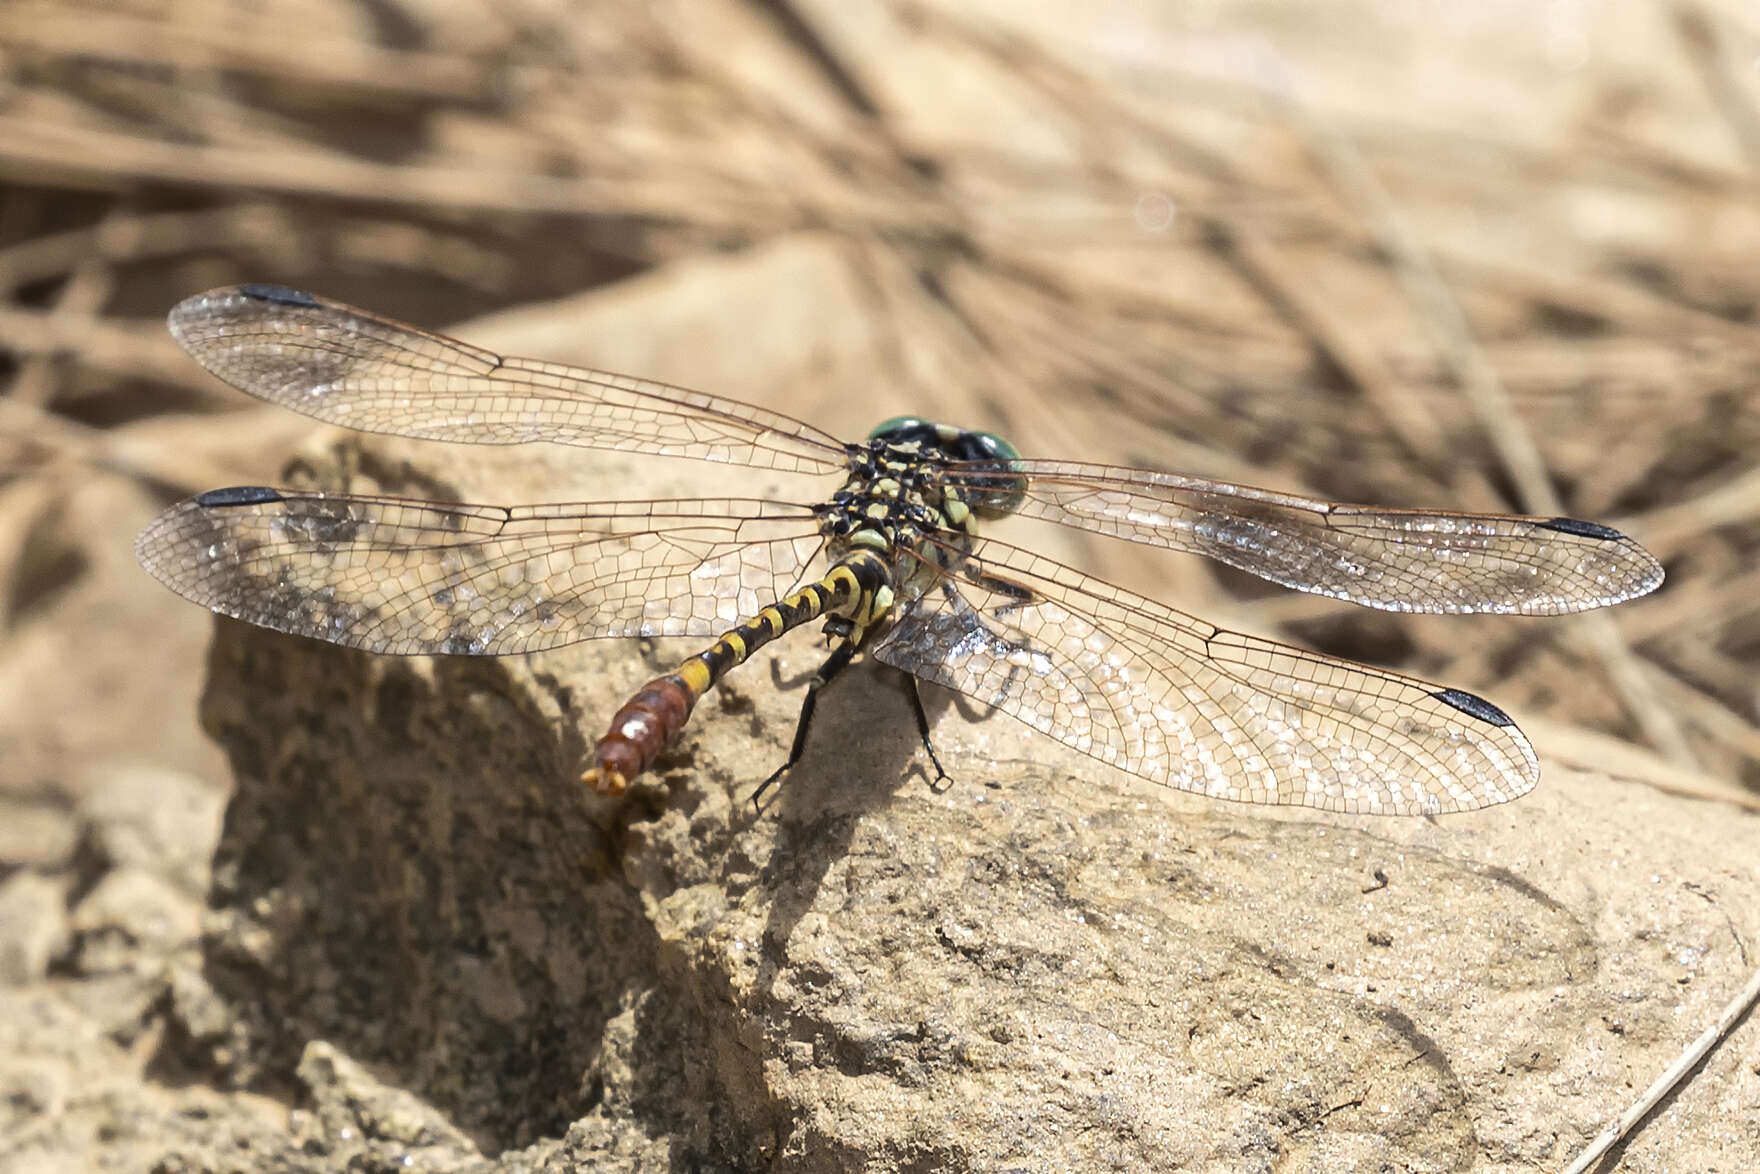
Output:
(350, 367)
(1393, 559)
(1178, 701)
(391, 575)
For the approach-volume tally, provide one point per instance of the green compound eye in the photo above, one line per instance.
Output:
(900, 427)
(989, 494)
(996, 497)
(993, 445)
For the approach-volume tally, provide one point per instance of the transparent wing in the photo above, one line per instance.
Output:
(390, 575)
(351, 367)
(1393, 559)
(1178, 701)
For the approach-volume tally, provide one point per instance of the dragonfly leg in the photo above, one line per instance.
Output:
(836, 663)
(785, 684)
(836, 628)
(916, 692)
(1021, 594)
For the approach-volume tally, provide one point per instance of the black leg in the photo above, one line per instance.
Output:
(837, 662)
(1022, 595)
(923, 727)
(836, 628)
(784, 684)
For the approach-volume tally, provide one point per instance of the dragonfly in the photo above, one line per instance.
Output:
(893, 557)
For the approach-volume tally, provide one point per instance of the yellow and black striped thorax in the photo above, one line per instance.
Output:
(907, 515)
(903, 490)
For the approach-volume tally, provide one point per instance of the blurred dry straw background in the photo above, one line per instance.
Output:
(1489, 256)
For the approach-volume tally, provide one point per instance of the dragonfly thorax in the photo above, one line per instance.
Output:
(899, 504)
(896, 496)
(913, 479)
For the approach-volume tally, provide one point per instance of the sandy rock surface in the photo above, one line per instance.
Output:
(1040, 967)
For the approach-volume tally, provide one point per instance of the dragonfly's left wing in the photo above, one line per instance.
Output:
(1393, 559)
(1180, 702)
(349, 366)
(394, 575)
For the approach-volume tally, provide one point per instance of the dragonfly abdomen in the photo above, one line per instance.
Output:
(857, 588)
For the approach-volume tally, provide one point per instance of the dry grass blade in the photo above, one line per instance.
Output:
(172, 465)
(1309, 313)
(1671, 1076)
(1709, 53)
(120, 237)
(1679, 525)
(340, 63)
(133, 348)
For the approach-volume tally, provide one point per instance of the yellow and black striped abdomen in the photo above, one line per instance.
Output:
(858, 588)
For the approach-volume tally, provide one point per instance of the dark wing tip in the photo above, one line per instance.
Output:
(205, 306)
(1583, 529)
(1473, 705)
(238, 495)
(1641, 572)
(281, 295)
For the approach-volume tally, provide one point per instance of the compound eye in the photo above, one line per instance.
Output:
(994, 447)
(991, 496)
(899, 428)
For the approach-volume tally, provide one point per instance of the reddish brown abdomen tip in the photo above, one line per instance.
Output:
(639, 732)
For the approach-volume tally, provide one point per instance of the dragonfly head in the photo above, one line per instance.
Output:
(991, 494)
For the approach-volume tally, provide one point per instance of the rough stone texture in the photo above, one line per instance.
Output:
(161, 820)
(427, 948)
(128, 909)
(1037, 968)
(36, 836)
(33, 926)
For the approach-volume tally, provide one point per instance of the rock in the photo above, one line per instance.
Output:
(35, 836)
(1042, 959)
(31, 1091)
(125, 932)
(162, 820)
(356, 1111)
(33, 926)
(130, 912)
(73, 1095)
(97, 670)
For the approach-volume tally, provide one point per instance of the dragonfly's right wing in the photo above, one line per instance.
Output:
(387, 574)
(354, 368)
(1393, 559)
(1180, 702)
